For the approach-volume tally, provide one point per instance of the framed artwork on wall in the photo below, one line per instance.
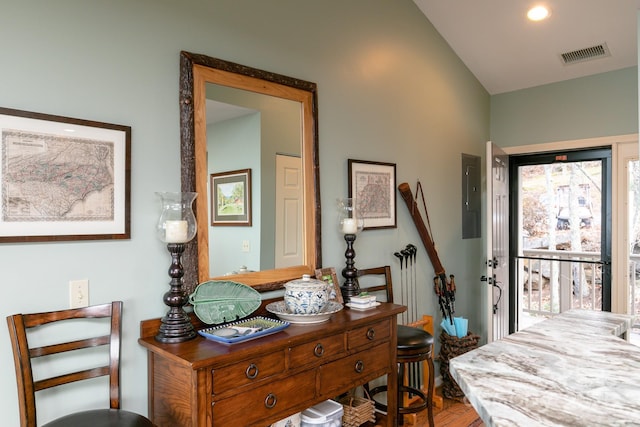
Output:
(63, 178)
(328, 275)
(372, 186)
(231, 198)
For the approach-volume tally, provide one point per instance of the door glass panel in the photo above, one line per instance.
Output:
(559, 264)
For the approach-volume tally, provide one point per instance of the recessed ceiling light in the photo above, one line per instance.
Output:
(538, 13)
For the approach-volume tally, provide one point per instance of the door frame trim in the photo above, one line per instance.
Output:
(618, 251)
(571, 144)
(620, 295)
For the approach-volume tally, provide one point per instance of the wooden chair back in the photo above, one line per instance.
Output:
(376, 280)
(20, 324)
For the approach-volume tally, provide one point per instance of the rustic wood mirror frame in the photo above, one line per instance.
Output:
(195, 71)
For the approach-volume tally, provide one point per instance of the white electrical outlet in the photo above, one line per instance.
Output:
(78, 293)
(245, 246)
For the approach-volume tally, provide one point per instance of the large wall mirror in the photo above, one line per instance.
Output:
(238, 118)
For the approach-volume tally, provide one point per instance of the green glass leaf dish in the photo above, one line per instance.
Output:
(220, 301)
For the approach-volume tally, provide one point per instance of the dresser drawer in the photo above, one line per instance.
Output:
(247, 371)
(265, 401)
(369, 335)
(316, 351)
(354, 369)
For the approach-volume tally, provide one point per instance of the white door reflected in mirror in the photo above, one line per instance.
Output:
(289, 206)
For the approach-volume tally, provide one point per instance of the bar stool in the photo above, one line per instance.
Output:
(413, 345)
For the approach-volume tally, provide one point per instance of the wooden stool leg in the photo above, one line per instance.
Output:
(400, 394)
(430, 391)
(427, 324)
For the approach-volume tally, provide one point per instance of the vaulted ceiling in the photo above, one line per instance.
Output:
(507, 52)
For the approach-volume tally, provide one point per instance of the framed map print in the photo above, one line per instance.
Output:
(63, 178)
(372, 186)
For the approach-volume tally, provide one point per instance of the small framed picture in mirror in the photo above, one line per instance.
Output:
(231, 198)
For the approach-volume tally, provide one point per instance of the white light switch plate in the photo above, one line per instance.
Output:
(78, 293)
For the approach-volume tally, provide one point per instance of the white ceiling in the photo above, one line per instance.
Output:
(507, 52)
(219, 111)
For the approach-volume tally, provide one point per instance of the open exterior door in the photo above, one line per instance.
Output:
(497, 278)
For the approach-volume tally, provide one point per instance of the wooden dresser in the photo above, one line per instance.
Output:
(258, 382)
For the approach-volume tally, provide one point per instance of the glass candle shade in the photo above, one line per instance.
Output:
(177, 223)
(350, 220)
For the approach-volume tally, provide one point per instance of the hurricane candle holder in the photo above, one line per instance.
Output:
(350, 223)
(176, 226)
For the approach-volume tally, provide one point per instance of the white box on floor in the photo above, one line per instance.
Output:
(292, 421)
(325, 414)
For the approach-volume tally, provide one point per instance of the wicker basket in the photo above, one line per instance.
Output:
(451, 347)
(357, 410)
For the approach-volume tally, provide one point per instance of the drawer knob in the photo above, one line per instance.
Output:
(359, 368)
(270, 401)
(252, 371)
(371, 334)
(318, 350)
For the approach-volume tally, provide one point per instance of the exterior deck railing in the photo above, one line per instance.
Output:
(550, 282)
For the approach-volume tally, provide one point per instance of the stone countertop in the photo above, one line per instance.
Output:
(571, 370)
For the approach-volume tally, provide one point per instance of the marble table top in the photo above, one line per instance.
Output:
(571, 370)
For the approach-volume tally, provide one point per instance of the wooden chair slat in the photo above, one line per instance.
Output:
(387, 286)
(91, 312)
(71, 377)
(69, 346)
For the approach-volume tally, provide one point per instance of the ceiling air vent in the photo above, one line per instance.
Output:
(586, 54)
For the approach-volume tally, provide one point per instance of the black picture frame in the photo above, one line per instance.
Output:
(372, 186)
(231, 198)
(63, 178)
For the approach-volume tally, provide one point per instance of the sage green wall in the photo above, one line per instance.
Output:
(601, 105)
(237, 141)
(390, 89)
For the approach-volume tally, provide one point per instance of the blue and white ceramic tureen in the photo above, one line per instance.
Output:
(306, 295)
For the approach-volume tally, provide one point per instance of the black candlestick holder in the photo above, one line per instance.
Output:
(350, 287)
(176, 325)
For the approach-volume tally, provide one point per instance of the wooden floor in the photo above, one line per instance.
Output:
(453, 414)
(456, 414)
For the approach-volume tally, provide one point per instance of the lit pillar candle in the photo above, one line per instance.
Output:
(349, 226)
(176, 231)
